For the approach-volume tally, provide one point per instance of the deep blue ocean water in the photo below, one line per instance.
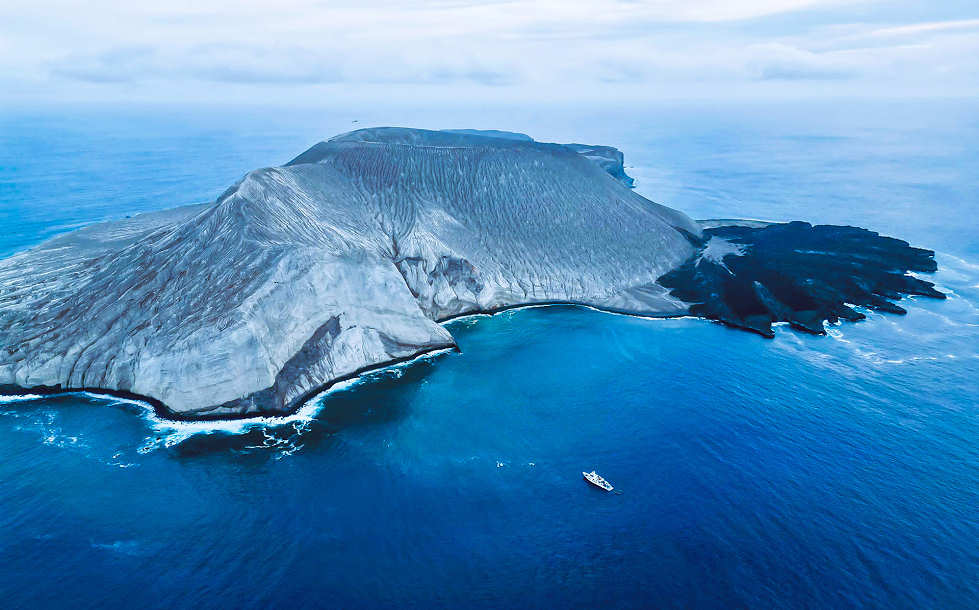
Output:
(837, 471)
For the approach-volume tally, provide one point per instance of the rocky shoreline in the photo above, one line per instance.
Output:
(752, 275)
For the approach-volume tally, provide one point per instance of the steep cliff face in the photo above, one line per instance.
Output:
(343, 259)
(610, 159)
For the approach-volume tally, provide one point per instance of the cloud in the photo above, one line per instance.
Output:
(243, 63)
(210, 62)
(782, 62)
(112, 66)
(552, 47)
(271, 65)
(921, 28)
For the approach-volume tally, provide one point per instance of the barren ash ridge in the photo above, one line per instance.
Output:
(347, 258)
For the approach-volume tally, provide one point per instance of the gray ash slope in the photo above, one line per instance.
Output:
(342, 260)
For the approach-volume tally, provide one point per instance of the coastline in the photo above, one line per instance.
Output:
(692, 304)
(165, 414)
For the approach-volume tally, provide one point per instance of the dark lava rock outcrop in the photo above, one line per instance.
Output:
(753, 275)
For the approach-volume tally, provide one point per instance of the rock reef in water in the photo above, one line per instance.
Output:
(342, 260)
(348, 256)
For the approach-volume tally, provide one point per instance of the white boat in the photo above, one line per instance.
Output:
(596, 480)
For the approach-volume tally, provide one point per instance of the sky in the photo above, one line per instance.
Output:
(248, 51)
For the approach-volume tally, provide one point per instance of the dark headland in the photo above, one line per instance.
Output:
(754, 276)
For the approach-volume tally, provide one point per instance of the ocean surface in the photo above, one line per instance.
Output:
(817, 472)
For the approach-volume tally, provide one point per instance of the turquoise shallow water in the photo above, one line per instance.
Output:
(800, 472)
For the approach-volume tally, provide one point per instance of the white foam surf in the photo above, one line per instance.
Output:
(168, 433)
(12, 398)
